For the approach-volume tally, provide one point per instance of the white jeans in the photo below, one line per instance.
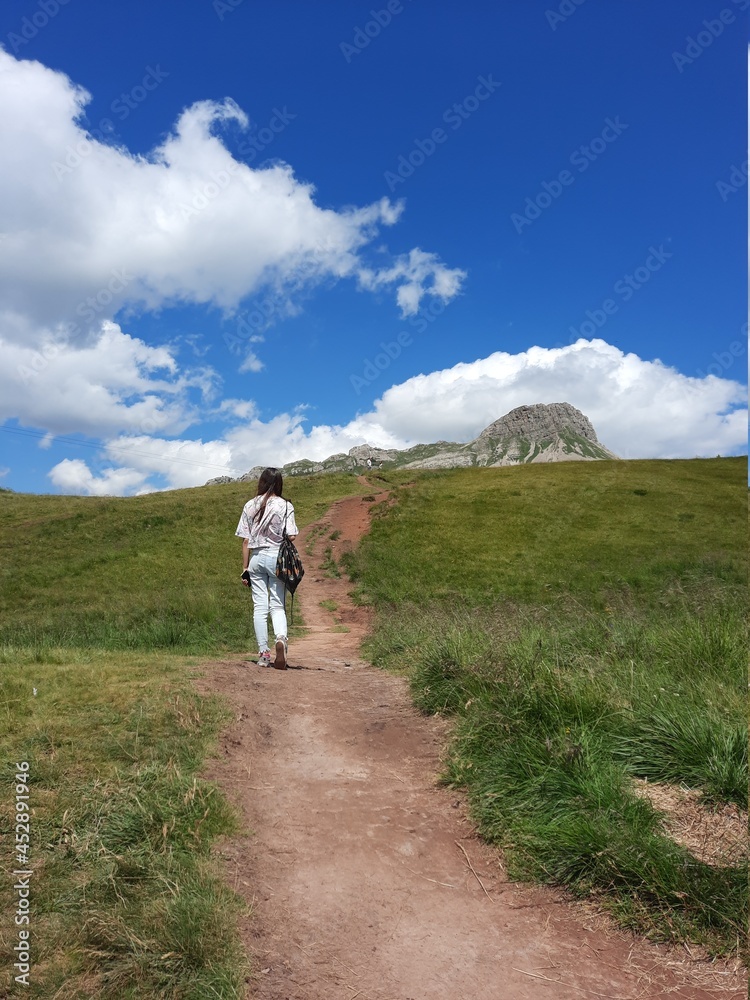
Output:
(268, 595)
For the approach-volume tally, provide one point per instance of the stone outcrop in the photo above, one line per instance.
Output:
(542, 432)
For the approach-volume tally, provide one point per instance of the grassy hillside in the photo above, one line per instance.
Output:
(152, 572)
(100, 600)
(603, 531)
(587, 626)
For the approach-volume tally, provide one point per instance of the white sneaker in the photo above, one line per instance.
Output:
(281, 650)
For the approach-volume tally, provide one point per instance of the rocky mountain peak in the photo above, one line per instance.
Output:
(541, 420)
(541, 432)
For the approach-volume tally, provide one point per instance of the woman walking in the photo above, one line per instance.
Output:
(261, 528)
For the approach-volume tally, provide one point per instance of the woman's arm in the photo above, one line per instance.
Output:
(294, 530)
(245, 557)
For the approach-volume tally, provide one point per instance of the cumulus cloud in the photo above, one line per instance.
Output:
(91, 231)
(111, 383)
(74, 476)
(91, 228)
(180, 462)
(640, 409)
(241, 409)
(417, 274)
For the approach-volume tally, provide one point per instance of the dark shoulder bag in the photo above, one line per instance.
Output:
(289, 565)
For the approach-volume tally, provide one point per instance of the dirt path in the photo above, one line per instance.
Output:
(366, 880)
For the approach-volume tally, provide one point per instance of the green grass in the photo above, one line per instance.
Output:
(535, 533)
(328, 605)
(154, 572)
(127, 899)
(101, 600)
(312, 538)
(329, 565)
(585, 625)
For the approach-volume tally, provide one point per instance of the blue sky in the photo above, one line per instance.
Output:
(483, 206)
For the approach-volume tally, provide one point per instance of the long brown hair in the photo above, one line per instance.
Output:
(270, 484)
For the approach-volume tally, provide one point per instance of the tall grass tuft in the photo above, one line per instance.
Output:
(684, 747)
(128, 899)
(583, 631)
(546, 750)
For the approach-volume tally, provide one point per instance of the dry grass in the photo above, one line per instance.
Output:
(716, 834)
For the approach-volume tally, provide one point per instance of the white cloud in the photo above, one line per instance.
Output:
(91, 228)
(241, 409)
(108, 384)
(640, 409)
(251, 363)
(74, 476)
(417, 274)
(183, 463)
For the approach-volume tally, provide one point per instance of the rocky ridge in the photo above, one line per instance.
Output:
(542, 432)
